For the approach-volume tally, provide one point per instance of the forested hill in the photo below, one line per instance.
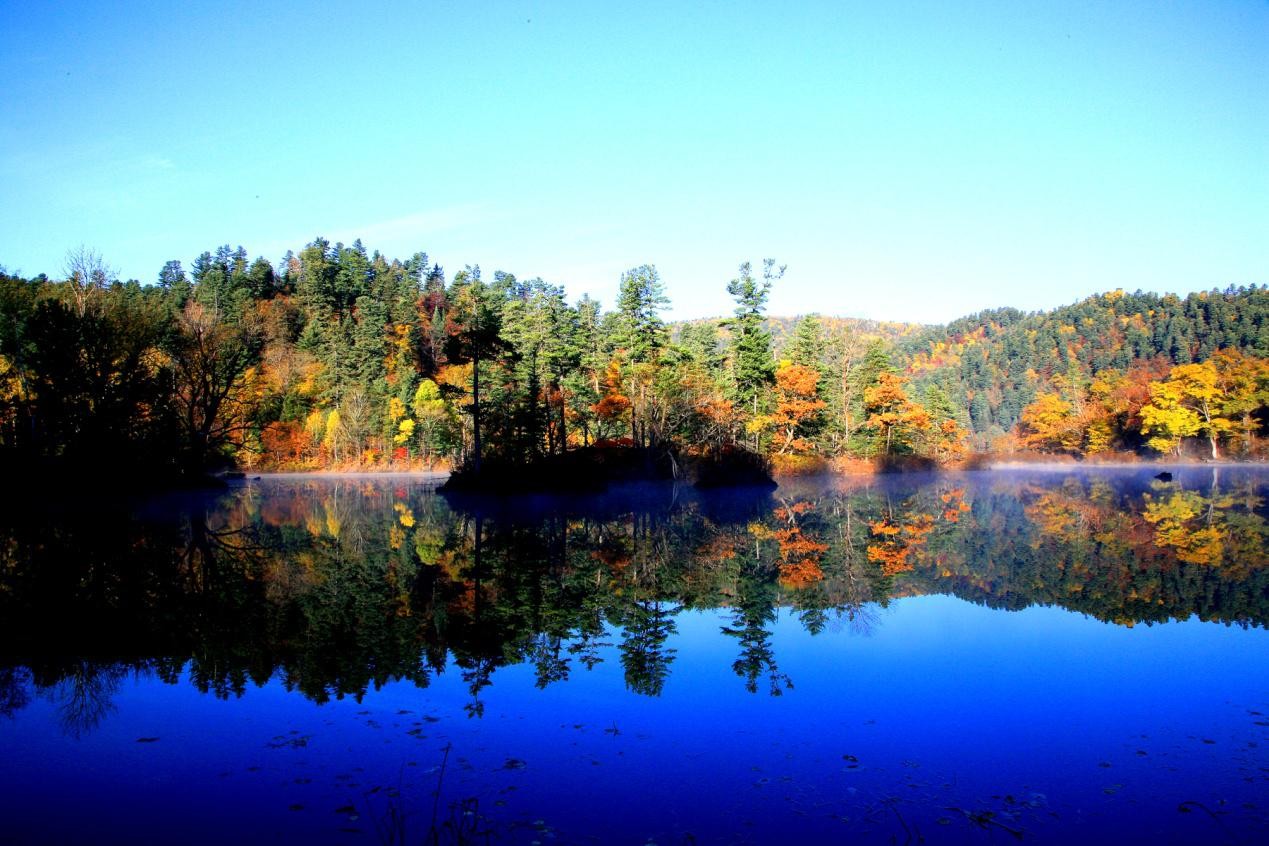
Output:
(995, 362)
(783, 329)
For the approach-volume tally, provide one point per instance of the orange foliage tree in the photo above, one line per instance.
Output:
(797, 405)
(613, 405)
(897, 421)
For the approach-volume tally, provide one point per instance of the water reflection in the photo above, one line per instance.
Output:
(340, 586)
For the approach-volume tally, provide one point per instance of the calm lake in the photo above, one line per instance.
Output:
(1035, 655)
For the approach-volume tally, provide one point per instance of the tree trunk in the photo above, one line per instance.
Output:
(563, 424)
(1211, 433)
(475, 411)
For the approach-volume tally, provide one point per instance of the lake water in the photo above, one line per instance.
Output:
(1044, 656)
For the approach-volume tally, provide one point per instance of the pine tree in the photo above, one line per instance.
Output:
(698, 343)
(752, 366)
(807, 345)
(640, 330)
(477, 314)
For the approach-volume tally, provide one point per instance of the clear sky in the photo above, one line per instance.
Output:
(906, 160)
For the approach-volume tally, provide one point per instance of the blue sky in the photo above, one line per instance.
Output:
(906, 160)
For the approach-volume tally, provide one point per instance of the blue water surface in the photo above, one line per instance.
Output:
(916, 715)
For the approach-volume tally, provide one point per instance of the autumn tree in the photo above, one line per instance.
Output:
(1116, 398)
(87, 274)
(1050, 424)
(435, 416)
(613, 406)
(1244, 380)
(1189, 402)
(895, 420)
(210, 358)
(797, 406)
(843, 356)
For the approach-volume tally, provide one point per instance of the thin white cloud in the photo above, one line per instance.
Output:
(93, 161)
(155, 163)
(396, 236)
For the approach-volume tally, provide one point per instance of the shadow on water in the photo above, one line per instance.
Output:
(659, 500)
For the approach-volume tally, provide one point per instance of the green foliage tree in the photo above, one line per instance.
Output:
(477, 315)
(752, 364)
(639, 330)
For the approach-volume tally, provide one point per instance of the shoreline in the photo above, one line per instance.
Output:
(1118, 465)
(999, 466)
(310, 474)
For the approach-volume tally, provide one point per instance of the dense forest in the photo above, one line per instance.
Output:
(1094, 364)
(339, 357)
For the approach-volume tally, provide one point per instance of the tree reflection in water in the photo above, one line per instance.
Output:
(340, 586)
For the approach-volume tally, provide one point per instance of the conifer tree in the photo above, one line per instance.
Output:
(752, 365)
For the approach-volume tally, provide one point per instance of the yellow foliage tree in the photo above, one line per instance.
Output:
(1189, 402)
(1245, 381)
(405, 431)
(330, 440)
(1050, 424)
(12, 391)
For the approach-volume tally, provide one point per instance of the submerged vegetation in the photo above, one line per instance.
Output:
(342, 358)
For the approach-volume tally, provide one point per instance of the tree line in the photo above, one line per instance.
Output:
(339, 357)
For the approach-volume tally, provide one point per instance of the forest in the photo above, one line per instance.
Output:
(343, 358)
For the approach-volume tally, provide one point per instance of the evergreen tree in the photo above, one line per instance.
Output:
(752, 366)
(640, 331)
(478, 317)
(807, 345)
(175, 284)
(699, 345)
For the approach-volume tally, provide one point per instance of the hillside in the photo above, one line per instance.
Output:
(995, 362)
